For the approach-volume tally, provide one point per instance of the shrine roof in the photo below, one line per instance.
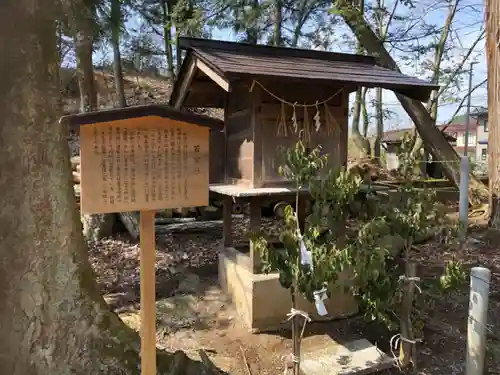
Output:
(115, 114)
(225, 62)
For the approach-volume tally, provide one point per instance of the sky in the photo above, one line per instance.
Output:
(467, 26)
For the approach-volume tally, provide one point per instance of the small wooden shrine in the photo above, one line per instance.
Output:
(272, 96)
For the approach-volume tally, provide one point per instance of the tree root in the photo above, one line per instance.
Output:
(481, 210)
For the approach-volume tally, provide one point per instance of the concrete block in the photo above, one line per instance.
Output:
(262, 302)
(358, 357)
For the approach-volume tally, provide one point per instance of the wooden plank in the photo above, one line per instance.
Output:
(226, 114)
(148, 295)
(184, 88)
(256, 126)
(344, 134)
(221, 81)
(227, 217)
(131, 221)
(305, 67)
(75, 161)
(203, 88)
(246, 192)
(239, 127)
(255, 222)
(273, 112)
(239, 113)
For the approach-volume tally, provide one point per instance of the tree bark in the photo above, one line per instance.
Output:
(167, 37)
(361, 142)
(52, 318)
(381, 32)
(493, 59)
(366, 117)
(439, 49)
(253, 28)
(116, 24)
(82, 23)
(278, 20)
(438, 146)
(379, 115)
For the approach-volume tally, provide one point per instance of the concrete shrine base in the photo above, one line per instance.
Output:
(262, 302)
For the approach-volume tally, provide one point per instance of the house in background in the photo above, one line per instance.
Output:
(454, 133)
(457, 130)
(477, 149)
(481, 117)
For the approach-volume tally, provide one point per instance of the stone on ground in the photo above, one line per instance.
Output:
(357, 357)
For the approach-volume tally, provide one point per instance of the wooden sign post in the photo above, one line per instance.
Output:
(143, 159)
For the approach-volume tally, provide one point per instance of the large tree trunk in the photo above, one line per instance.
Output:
(52, 318)
(493, 58)
(116, 24)
(438, 146)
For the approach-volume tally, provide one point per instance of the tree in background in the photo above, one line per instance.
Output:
(114, 17)
(432, 137)
(361, 142)
(81, 18)
(400, 28)
(52, 317)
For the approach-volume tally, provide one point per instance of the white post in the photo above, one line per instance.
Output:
(464, 192)
(478, 312)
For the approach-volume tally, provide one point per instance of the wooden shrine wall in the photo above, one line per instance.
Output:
(239, 137)
(332, 134)
(217, 154)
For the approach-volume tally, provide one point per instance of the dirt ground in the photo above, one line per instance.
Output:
(194, 314)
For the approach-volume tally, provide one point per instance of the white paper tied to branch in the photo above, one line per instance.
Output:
(305, 255)
(319, 297)
(306, 258)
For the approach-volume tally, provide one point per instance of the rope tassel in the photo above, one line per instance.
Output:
(307, 127)
(317, 119)
(294, 120)
(281, 123)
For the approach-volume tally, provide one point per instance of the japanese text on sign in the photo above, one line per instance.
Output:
(147, 165)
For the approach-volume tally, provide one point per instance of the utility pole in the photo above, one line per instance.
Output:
(463, 208)
(467, 120)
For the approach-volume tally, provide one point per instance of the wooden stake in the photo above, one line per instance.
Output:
(406, 352)
(148, 296)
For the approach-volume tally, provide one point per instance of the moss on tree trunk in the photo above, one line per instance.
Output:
(493, 58)
(52, 317)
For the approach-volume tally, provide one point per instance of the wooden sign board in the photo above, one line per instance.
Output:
(142, 159)
(143, 163)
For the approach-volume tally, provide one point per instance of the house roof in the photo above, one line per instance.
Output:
(396, 136)
(226, 62)
(480, 111)
(77, 120)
